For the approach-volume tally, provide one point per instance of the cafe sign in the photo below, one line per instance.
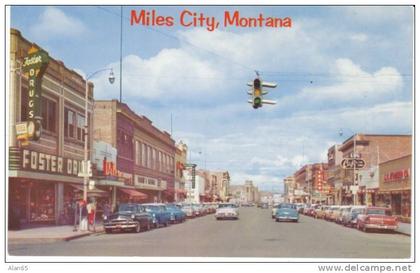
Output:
(34, 66)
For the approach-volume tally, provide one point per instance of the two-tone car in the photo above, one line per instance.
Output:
(287, 212)
(188, 210)
(378, 218)
(160, 215)
(129, 217)
(227, 211)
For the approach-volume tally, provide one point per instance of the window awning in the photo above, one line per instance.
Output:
(134, 193)
(91, 192)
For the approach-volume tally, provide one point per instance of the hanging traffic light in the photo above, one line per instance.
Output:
(257, 92)
(257, 102)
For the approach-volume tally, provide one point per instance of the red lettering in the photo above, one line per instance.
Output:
(183, 13)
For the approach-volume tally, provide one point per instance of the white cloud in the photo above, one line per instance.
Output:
(54, 23)
(359, 37)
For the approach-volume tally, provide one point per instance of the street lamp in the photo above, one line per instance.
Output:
(354, 158)
(111, 79)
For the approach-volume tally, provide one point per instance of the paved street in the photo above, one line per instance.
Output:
(255, 234)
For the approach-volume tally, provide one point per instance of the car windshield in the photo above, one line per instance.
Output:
(126, 207)
(379, 212)
(287, 206)
(226, 206)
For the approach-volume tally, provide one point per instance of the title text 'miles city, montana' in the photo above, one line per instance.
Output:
(189, 18)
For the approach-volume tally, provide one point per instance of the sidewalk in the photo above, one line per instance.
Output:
(48, 234)
(404, 229)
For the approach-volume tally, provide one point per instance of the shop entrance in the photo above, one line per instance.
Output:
(396, 204)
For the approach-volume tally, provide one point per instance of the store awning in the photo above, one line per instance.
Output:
(91, 192)
(134, 193)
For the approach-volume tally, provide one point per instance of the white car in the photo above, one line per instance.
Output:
(227, 211)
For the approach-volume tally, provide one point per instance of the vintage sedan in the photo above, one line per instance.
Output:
(287, 212)
(376, 218)
(160, 215)
(129, 216)
(227, 211)
(331, 212)
(349, 218)
(338, 214)
(188, 210)
(321, 211)
(177, 215)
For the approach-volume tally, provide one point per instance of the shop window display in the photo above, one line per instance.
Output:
(42, 204)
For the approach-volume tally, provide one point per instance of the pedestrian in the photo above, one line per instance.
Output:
(91, 209)
(84, 215)
(107, 210)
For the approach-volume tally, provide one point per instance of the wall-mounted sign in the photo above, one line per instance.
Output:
(353, 163)
(397, 176)
(42, 162)
(34, 66)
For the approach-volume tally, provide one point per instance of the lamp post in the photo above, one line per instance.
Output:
(111, 79)
(354, 163)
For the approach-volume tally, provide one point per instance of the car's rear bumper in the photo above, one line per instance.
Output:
(286, 218)
(380, 226)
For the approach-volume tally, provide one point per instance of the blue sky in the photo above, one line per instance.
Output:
(337, 67)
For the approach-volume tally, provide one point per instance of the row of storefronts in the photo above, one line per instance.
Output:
(131, 159)
(384, 178)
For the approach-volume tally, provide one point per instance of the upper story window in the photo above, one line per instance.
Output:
(48, 114)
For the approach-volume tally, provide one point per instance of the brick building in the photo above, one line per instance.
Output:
(145, 155)
(43, 174)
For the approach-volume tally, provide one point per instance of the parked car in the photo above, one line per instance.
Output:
(376, 218)
(128, 217)
(287, 212)
(227, 211)
(330, 212)
(320, 212)
(160, 215)
(188, 210)
(349, 218)
(300, 207)
(198, 211)
(177, 215)
(311, 210)
(338, 214)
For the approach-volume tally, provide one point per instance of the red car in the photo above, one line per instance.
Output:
(376, 218)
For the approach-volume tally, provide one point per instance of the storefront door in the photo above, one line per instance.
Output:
(396, 204)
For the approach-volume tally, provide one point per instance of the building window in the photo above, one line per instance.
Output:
(48, 114)
(155, 165)
(80, 126)
(149, 157)
(143, 155)
(69, 123)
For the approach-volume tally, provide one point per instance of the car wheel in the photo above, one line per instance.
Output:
(148, 227)
(108, 230)
(277, 220)
(217, 218)
(296, 221)
(167, 223)
(364, 229)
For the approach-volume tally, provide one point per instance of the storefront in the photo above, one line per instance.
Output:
(46, 143)
(45, 191)
(395, 187)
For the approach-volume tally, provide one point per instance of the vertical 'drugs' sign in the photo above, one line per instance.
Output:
(34, 66)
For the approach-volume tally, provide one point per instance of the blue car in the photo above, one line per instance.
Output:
(177, 215)
(160, 215)
(287, 212)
